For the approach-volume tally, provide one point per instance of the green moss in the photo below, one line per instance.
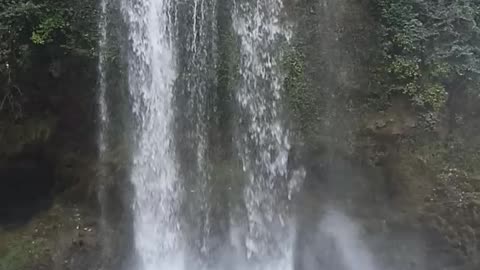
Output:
(29, 245)
(22, 253)
(15, 136)
(454, 153)
(433, 154)
(299, 100)
(45, 238)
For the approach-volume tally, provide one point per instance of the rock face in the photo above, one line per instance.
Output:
(47, 167)
(405, 174)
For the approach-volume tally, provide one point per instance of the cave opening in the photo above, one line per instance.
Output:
(26, 188)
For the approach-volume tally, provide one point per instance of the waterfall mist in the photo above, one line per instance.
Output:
(345, 238)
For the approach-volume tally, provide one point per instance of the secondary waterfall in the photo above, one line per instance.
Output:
(158, 193)
(195, 34)
(262, 140)
(102, 84)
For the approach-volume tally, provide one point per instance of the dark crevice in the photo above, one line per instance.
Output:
(26, 188)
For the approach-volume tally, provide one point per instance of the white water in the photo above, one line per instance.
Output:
(262, 139)
(157, 196)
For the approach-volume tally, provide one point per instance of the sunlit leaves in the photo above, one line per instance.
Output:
(43, 33)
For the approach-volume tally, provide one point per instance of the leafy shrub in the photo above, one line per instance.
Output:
(429, 49)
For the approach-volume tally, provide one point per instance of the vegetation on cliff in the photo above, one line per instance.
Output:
(47, 108)
(394, 85)
(428, 50)
(37, 32)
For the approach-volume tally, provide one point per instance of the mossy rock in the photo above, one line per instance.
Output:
(14, 137)
(51, 239)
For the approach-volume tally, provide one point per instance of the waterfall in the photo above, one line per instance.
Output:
(262, 140)
(157, 194)
(172, 76)
(102, 104)
(171, 55)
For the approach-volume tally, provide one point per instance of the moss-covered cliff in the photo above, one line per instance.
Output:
(381, 97)
(47, 132)
(390, 87)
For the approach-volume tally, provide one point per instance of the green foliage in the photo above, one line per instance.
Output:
(29, 22)
(429, 49)
(43, 34)
(36, 32)
(21, 253)
(44, 26)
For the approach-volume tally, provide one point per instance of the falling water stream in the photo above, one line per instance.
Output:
(262, 140)
(171, 55)
(102, 87)
(157, 196)
(195, 34)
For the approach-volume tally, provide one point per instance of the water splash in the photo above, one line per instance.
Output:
(157, 195)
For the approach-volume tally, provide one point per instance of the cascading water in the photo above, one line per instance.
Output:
(262, 140)
(157, 195)
(196, 38)
(172, 61)
(102, 103)
(102, 85)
